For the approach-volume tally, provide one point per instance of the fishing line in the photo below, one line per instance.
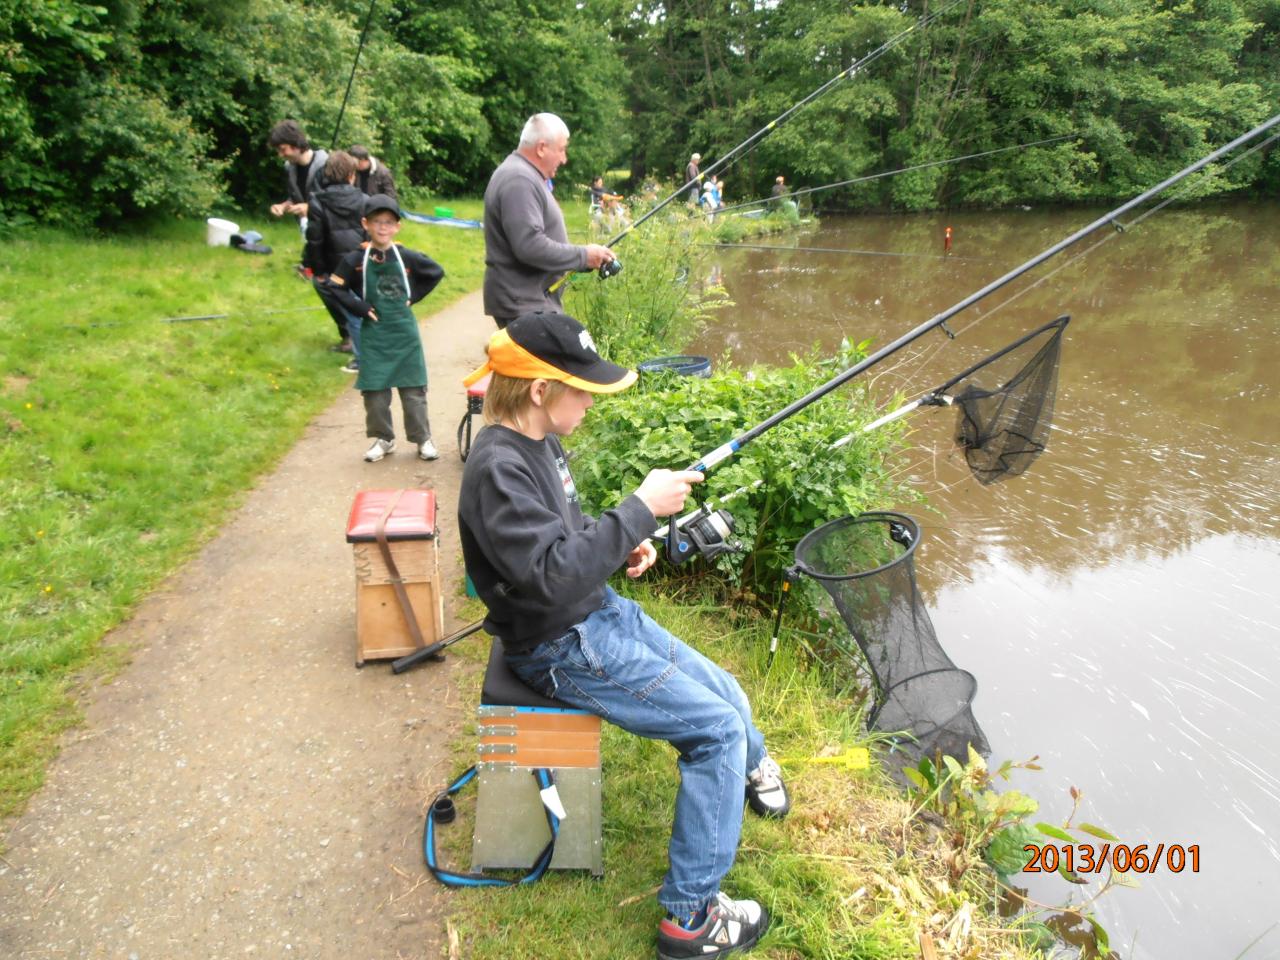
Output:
(861, 253)
(680, 547)
(194, 318)
(772, 125)
(894, 173)
(1106, 238)
(925, 355)
(928, 352)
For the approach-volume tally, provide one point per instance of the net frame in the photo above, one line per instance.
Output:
(1003, 430)
(881, 606)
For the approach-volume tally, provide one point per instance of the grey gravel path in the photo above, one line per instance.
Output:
(240, 789)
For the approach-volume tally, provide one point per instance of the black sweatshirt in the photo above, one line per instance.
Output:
(538, 563)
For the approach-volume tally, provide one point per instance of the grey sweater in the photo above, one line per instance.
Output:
(538, 563)
(526, 248)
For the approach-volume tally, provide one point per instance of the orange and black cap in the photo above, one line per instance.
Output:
(552, 346)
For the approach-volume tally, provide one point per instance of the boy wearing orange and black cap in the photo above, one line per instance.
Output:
(541, 567)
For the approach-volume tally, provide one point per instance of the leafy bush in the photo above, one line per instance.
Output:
(655, 304)
(795, 481)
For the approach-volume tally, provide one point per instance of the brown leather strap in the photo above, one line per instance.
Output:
(380, 534)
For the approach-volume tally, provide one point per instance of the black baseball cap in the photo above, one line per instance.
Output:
(552, 346)
(380, 201)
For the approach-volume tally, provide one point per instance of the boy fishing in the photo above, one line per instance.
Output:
(541, 567)
(379, 284)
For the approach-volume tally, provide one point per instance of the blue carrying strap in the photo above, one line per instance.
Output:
(551, 807)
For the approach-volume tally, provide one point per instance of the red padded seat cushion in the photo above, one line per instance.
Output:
(414, 517)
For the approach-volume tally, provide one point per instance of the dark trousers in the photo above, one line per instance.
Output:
(377, 414)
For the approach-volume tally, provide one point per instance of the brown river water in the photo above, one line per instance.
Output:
(1119, 604)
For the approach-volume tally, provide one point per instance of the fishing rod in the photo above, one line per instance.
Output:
(893, 173)
(681, 547)
(351, 79)
(612, 267)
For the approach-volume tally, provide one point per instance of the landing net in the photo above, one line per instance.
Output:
(866, 564)
(1006, 404)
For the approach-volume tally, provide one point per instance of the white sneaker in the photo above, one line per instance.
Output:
(379, 450)
(766, 793)
(427, 450)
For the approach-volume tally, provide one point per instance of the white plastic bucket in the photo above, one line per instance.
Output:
(218, 233)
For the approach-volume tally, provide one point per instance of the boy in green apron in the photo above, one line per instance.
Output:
(380, 283)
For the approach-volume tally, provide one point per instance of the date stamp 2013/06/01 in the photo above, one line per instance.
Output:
(1120, 857)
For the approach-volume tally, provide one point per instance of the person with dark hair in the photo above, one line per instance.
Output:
(542, 565)
(526, 247)
(303, 168)
(334, 229)
(372, 175)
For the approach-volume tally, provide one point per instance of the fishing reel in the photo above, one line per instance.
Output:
(610, 268)
(705, 532)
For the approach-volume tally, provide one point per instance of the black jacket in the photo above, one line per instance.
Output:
(377, 179)
(347, 279)
(538, 562)
(333, 226)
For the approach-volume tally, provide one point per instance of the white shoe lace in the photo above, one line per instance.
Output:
(767, 776)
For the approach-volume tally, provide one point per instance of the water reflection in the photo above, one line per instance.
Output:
(1117, 602)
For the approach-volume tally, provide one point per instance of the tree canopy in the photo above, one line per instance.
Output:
(119, 108)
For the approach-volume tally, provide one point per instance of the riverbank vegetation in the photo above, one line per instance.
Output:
(140, 395)
(164, 107)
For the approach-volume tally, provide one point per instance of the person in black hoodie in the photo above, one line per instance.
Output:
(334, 230)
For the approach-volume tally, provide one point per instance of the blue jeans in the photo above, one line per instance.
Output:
(621, 665)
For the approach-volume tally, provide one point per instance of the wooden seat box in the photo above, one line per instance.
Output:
(381, 629)
(520, 731)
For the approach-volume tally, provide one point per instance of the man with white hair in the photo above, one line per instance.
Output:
(693, 175)
(526, 248)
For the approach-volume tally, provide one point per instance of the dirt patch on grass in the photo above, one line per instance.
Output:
(15, 384)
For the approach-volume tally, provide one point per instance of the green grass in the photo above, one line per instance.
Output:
(126, 439)
(850, 874)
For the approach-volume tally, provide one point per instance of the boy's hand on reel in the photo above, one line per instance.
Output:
(664, 491)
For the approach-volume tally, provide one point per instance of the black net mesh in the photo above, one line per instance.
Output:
(1006, 404)
(865, 563)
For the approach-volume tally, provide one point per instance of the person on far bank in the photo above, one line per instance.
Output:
(693, 176)
(372, 175)
(335, 228)
(526, 247)
(542, 567)
(778, 192)
(379, 284)
(303, 169)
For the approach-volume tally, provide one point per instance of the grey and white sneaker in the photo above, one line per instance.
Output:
(730, 925)
(379, 450)
(427, 450)
(766, 793)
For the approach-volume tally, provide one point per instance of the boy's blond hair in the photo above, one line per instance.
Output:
(507, 398)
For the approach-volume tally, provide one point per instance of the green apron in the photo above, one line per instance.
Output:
(390, 349)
